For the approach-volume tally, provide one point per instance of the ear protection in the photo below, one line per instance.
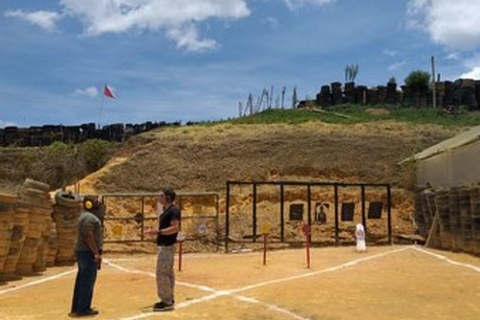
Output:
(88, 205)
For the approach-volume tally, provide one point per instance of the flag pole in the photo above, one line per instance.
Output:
(101, 106)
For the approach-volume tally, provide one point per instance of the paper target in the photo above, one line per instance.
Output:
(117, 230)
(202, 229)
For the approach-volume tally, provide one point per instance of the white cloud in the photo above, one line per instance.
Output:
(272, 22)
(472, 64)
(90, 92)
(454, 23)
(4, 124)
(179, 19)
(397, 66)
(187, 37)
(453, 55)
(391, 53)
(472, 74)
(44, 19)
(295, 4)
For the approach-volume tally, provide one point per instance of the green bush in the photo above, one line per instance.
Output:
(95, 153)
(392, 80)
(418, 78)
(58, 146)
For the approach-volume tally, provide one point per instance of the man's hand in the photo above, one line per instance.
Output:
(151, 232)
(98, 260)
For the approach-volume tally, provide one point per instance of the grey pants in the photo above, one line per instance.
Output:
(165, 274)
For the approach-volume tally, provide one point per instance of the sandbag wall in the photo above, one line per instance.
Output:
(458, 211)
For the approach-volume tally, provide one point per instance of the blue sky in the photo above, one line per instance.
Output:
(196, 59)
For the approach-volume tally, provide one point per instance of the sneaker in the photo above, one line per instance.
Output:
(88, 313)
(161, 306)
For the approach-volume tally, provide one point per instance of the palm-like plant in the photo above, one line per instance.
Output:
(351, 72)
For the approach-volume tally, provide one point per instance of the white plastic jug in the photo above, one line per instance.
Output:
(360, 235)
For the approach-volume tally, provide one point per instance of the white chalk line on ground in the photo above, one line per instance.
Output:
(216, 294)
(33, 283)
(331, 269)
(438, 256)
(233, 292)
(270, 306)
(151, 274)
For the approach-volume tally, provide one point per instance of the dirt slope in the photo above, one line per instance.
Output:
(202, 158)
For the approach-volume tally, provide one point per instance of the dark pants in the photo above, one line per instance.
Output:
(86, 276)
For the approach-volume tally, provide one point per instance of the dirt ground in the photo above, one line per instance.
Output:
(399, 282)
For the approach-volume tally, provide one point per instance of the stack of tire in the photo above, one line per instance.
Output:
(7, 214)
(475, 211)
(65, 214)
(455, 219)
(43, 248)
(419, 215)
(52, 246)
(466, 220)
(443, 210)
(19, 233)
(425, 213)
(35, 197)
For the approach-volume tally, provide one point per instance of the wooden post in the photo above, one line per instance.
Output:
(431, 233)
(264, 249)
(180, 255)
(309, 239)
(433, 84)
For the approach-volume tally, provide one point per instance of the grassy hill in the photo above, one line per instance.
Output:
(202, 158)
(351, 114)
(342, 143)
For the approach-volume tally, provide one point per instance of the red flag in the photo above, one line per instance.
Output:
(107, 91)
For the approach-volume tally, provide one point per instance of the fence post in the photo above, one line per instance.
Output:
(389, 213)
(227, 217)
(143, 219)
(364, 219)
(282, 211)
(254, 212)
(336, 214)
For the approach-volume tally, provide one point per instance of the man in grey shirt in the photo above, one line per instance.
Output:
(88, 249)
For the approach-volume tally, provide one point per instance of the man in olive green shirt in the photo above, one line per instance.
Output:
(88, 249)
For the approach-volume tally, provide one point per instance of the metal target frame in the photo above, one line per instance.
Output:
(140, 217)
(308, 185)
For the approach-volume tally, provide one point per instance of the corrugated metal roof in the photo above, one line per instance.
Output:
(462, 139)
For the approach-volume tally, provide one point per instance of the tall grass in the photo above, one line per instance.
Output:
(361, 114)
